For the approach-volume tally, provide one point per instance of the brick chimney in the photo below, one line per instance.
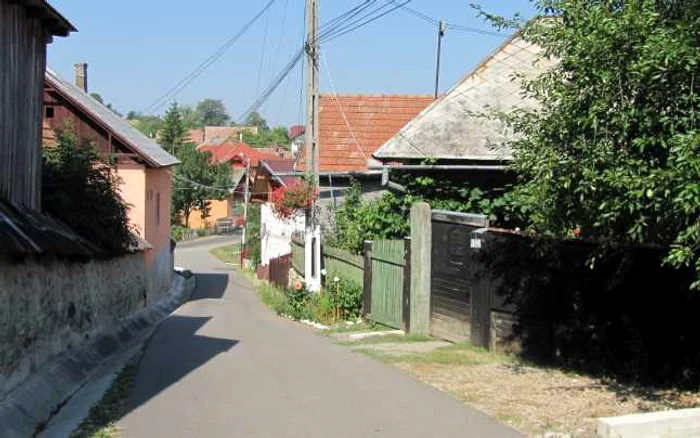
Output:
(81, 78)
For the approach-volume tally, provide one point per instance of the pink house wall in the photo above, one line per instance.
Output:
(158, 195)
(133, 190)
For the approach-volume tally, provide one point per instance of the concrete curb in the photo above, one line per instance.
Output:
(678, 423)
(30, 406)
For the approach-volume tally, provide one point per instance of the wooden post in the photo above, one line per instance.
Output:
(367, 286)
(421, 267)
(407, 285)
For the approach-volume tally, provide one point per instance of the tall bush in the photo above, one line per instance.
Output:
(80, 188)
(613, 151)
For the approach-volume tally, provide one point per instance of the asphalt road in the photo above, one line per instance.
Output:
(224, 365)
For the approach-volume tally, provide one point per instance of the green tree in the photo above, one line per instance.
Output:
(613, 151)
(196, 181)
(211, 112)
(148, 125)
(173, 133)
(189, 117)
(255, 119)
(81, 189)
(270, 137)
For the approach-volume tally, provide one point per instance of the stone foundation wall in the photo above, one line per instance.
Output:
(50, 306)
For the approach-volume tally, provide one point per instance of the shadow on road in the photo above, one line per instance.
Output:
(210, 286)
(174, 352)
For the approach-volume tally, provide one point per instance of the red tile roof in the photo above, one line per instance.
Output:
(229, 152)
(196, 135)
(281, 166)
(374, 120)
(296, 130)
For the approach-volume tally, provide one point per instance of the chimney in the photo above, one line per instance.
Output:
(81, 78)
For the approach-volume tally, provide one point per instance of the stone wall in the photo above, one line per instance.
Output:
(51, 305)
(160, 274)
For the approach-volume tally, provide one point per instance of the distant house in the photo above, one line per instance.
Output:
(25, 30)
(297, 137)
(219, 134)
(143, 166)
(351, 128)
(237, 155)
(457, 131)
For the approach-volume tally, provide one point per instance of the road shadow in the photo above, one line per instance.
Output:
(210, 286)
(174, 352)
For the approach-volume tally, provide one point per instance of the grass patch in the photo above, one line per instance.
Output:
(386, 339)
(102, 419)
(357, 327)
(228, 254)
(457, 354)
(273, 298)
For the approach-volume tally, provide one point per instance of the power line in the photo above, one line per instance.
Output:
(262, 52)
(194, 74)
(456, 27)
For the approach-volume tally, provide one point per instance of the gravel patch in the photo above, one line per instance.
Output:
(545, 402)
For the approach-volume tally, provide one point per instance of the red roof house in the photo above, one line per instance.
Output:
(352, 127)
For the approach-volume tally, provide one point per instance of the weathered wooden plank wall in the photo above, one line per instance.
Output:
(344, 263)
(388, 264)
(22, 65)
(298, 255)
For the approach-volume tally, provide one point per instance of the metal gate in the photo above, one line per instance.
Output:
(388, 265)
(452, 276)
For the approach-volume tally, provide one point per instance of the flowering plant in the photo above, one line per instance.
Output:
(288, 199)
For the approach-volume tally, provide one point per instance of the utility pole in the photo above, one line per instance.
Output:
(312, 248)
(442, 27)
(246, 195)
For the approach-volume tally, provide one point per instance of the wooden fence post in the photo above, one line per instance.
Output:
(367, 286)
(407, 285)
(421, 267)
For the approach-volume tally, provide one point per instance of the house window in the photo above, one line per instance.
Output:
(48, 112)
(158, 208)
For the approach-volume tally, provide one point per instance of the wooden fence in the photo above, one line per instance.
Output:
(298, 255)
(382, 272)
(344, 264)
(279, 271)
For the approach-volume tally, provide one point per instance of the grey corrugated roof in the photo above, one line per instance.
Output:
(455, 127)
(145, 147)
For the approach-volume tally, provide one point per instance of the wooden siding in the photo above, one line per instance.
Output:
(22, 64)
(388, 264)
(451, 290)
(344, 264)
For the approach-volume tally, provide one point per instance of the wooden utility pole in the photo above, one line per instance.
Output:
(246, 195)
(313, 235)
(441, 33)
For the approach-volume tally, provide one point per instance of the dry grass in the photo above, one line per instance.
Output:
(533, 400)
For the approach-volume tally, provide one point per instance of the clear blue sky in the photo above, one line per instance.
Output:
(137, 50)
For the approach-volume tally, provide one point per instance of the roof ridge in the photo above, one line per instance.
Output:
(379, 95)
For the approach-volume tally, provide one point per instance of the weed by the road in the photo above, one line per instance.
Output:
(228, 254)
(102, 419)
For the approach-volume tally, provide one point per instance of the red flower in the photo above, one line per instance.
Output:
(298, 285)
(577, 231)
(287, 200)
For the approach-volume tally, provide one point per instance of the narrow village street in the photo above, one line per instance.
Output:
(224, 365)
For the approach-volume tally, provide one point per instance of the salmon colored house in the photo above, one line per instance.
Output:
(143, 166)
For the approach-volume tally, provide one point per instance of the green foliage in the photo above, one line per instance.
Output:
(211, 112)
(196, 181)
(80, 188)
(388, 217)
(255, 119)
(614, 149)
(148, 125)
(253, 234)
(267, 138)
(173, 134)
(344, 297)
(357, 220)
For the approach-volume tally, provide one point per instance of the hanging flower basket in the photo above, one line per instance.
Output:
(287, 201)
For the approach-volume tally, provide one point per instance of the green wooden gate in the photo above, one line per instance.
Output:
(388, 265)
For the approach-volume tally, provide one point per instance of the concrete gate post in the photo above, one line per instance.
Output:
(421, 247)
